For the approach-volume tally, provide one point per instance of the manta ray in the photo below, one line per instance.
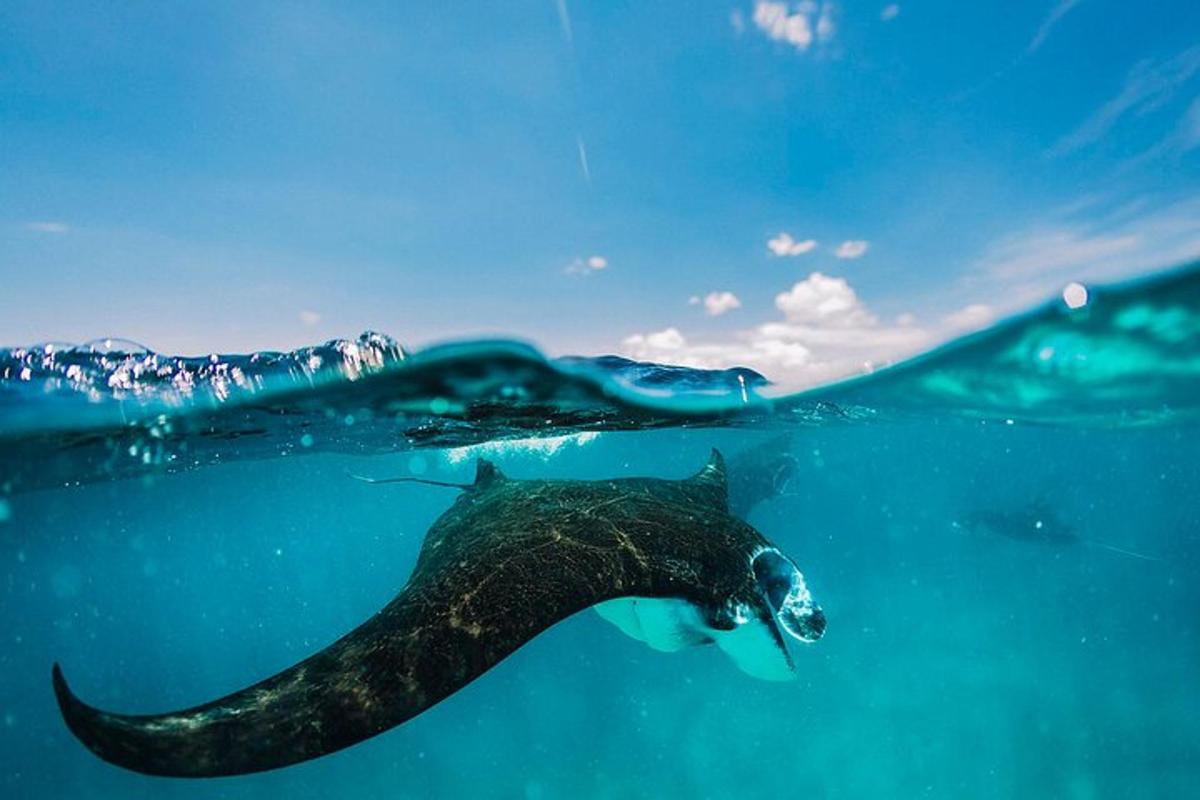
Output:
(664, 560)
(1034, 522)
(761, 472)
(1037, 522)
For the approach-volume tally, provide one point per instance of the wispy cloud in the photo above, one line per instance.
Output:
(1032, 263)
(47, 226)
(718, 303)
(1059, 11)
(309, 317)
(586, 266)
(583, 159)
(1056, 13)
(785, 245)
(1182, 138)
(798, 24)
(826, 332)
(738, 21)
(969, 318)
(853, 248)
(890, 12)
(1053, 251)
(825, 26)
(1148, 87)
(564, 20)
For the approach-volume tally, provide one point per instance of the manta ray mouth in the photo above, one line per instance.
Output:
(783, 586)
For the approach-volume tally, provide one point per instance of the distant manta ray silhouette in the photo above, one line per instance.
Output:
(1037, 522)
(663, 560)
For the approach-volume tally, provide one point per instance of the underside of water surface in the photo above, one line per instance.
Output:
(1003, 536)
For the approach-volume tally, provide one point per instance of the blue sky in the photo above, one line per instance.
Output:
(594, 177)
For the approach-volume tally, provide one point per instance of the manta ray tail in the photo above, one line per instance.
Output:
(426, 481)
(193, 743)
(358, 687)
(1122, 551)
(249, 731)
(485, 474)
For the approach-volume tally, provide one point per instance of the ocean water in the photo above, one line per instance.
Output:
(1004, 536)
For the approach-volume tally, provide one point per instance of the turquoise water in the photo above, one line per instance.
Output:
(174, 529)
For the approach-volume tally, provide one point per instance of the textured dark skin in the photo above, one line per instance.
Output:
(508, 560)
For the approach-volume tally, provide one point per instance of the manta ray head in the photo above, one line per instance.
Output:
(752, 628)
(756, 628)
(783, 586)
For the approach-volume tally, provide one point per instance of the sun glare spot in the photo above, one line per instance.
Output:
(1075, 295)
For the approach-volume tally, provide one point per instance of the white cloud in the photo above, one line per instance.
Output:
(664, 340)
(889, 12)
(827, 332)
(785, 245)
(854, 248)
(737, 21)
(718, 303)
(1148, 86)
(774, 20)
(821, 300)
(309, 318)
(586, 266)
(796, 24)
(48, 227)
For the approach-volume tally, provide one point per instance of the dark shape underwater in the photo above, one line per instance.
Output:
(761, 472)
(1036, 522)
(663, 560)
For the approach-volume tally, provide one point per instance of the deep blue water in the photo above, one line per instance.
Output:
(168, 548)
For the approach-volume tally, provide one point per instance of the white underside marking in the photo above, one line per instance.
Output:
(669, 625)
